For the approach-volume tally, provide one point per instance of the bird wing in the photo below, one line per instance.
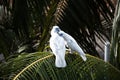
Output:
(60, 56)
(57, 45)
(72, 43)
(53, 45)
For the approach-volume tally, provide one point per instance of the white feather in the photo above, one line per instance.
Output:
(57, 44)
(72, 44)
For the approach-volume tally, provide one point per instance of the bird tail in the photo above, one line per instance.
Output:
(82, 54)
(83, 57)
(60, 62)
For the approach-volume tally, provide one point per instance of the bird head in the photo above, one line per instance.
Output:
(55, 29)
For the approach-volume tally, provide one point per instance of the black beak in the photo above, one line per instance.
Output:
(60, 34)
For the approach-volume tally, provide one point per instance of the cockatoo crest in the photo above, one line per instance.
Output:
(54, 30)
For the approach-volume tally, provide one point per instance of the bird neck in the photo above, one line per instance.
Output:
(54, 35)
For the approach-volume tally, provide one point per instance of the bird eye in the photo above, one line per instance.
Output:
(57, 29)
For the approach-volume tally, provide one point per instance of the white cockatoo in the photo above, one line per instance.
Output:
(72, 44)
(57, 44)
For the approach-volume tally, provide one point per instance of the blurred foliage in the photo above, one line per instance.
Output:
(115, 42)
(41, 66)
(25, 24)
(29, 25)
(17, 63)
(89, 22)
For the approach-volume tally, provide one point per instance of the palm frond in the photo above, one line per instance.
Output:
(62, 5)
(30, 22)
(115, 41)
(14, 64)
(41, 65)
(88, 21)
(44, 69)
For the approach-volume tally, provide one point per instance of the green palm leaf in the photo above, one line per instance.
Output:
(44, 69)
(15, 64)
